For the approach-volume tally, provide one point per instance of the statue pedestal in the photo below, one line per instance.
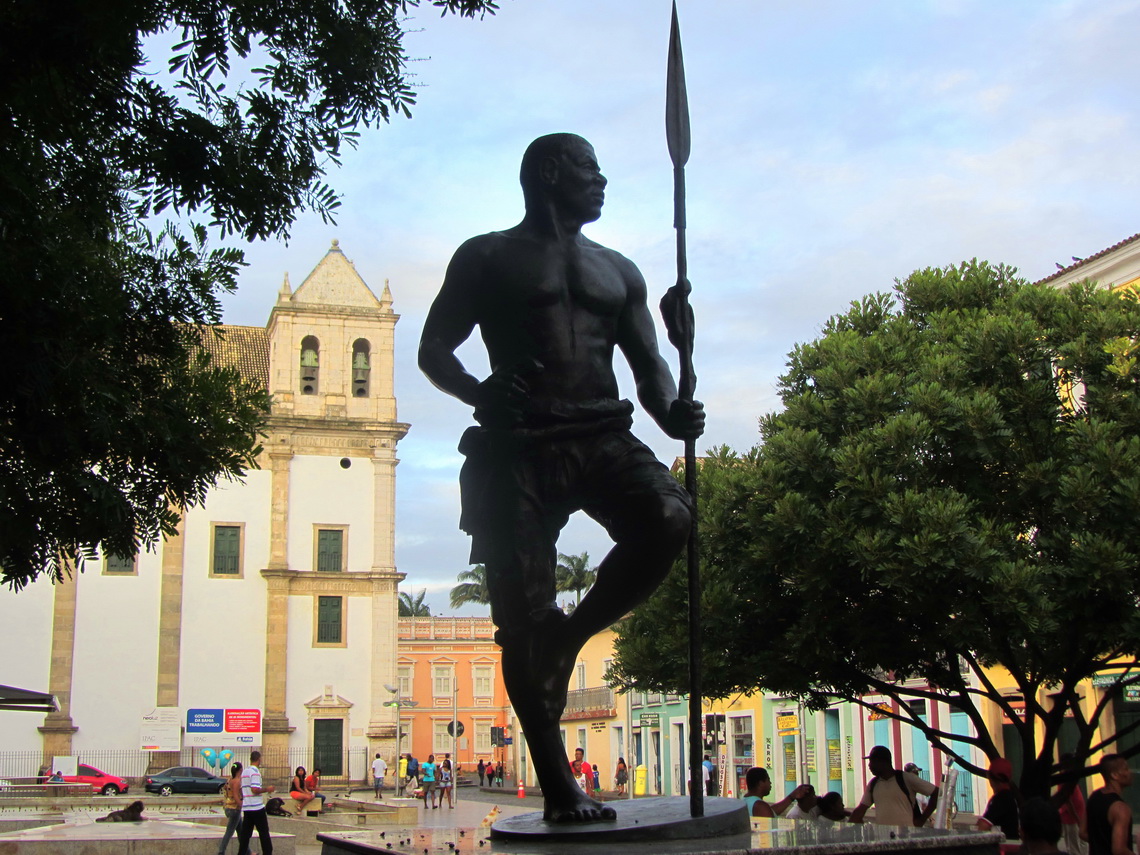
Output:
(637, 820)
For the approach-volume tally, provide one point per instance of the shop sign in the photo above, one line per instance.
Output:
(834, 761)
(790, 761)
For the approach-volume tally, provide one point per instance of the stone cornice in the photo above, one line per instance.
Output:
(371, 313)
(353, 583)
(326, 425)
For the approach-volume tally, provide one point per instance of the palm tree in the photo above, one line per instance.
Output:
(472, 587)
(409, 607)
(574, 573)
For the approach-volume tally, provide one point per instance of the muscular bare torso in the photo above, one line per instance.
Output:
(562, 304)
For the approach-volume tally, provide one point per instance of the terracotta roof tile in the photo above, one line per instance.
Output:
(245, 348)
(1066, 270)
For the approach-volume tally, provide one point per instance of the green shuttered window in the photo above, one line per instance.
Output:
(227, 550)
(330, 550)
(329, 620)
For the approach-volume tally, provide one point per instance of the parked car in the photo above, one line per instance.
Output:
(101, 782)
(184, 779)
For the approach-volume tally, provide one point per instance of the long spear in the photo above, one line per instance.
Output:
(678, 316)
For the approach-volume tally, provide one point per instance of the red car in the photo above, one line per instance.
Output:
(101, 782)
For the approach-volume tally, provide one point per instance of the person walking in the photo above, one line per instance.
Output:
(379, 770)
(427, 780)
(709, 776)
(253, 808)
(583, 772)
(446, 783)
(231, 804)
(1074, 827)
(621, 776)
(482, 770)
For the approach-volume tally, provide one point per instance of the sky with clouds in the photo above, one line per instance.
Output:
(836, 146)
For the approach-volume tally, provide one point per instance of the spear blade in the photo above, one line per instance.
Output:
(676, 99)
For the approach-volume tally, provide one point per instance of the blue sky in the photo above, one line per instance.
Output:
(836, 146)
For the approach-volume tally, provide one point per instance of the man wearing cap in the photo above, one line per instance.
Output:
(1001, 810)
(915, 769)
(892, 792)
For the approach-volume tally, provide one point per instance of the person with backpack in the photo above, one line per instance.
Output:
(893, 793)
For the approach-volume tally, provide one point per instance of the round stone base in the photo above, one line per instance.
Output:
(637, 820)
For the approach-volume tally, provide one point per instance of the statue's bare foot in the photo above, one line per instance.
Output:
(577, 808)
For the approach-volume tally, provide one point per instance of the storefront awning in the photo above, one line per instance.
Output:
(12, 698)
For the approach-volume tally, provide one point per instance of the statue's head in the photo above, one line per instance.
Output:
(562, 167)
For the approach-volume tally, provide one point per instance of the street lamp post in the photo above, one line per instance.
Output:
(398, 703)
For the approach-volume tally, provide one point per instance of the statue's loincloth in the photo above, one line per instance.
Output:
(519, 486)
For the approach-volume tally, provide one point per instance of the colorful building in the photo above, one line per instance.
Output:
(592, 720)
(449, 667)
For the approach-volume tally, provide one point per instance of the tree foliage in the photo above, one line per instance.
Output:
(953, 485)
(412, 606)
(574, 573)
(111, 420)
(472, 587)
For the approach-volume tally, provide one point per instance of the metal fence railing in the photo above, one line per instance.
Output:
(584, 700)
(338, 768)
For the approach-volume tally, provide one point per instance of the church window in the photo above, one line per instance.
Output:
(361, 367)
(330, 548)
(117, 565)
(225, 558)
(310, 365)
(330, 620)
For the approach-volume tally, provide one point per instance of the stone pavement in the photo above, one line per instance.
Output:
(471, 807)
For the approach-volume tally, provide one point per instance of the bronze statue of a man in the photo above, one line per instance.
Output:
(554, 437)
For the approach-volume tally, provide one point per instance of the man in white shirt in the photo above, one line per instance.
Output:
(806, 806)
(379, 770)
(893, 793)
(253, 808)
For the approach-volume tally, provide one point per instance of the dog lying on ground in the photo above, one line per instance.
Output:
(131, 813)
(276, 807)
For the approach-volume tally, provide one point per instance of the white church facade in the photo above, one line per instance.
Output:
(279, 594)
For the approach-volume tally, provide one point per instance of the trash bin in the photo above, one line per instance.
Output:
(640, 778)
